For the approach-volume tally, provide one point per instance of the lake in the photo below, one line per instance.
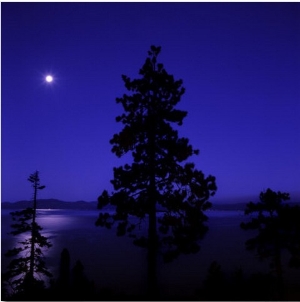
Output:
(116, 263)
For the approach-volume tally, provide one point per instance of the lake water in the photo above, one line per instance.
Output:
(116, 263)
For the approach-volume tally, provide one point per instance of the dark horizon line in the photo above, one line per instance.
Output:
(235, 199)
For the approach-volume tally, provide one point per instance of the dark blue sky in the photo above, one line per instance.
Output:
(239, 63)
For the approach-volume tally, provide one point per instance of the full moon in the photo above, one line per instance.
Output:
(49, 78)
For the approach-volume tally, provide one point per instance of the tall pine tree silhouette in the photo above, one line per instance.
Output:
(159, 176)
(28, 264)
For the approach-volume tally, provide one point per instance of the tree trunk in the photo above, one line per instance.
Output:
(152, 250)
(279, 273)
(152, 233)
(33, 231)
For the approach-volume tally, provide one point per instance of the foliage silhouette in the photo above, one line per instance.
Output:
(278, 227)
(159, 177)
(218, 286)
(215, 283)
(24, 271)
(71, 284)
(63, 283)
(82, 288)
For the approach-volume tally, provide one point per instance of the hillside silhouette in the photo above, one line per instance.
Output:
(51, 204)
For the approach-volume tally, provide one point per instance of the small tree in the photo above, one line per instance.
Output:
(63, 283)
(159, 177)
(215, 285)
(278, 227)
(82, 287)
(23, 275)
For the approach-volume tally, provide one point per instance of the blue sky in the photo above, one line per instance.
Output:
(239, 63)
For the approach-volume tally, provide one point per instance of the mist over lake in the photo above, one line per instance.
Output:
(114, 262)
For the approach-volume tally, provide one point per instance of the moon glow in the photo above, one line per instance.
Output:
(49, 79)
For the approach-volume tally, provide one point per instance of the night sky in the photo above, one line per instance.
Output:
(239, 63)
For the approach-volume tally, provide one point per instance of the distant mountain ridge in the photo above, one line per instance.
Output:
(51, 204)
(92, 205)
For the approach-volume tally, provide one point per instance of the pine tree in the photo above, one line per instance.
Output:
(278, 228)
(82, 287)
(24, 271)
(159, 176)
(63, 282)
